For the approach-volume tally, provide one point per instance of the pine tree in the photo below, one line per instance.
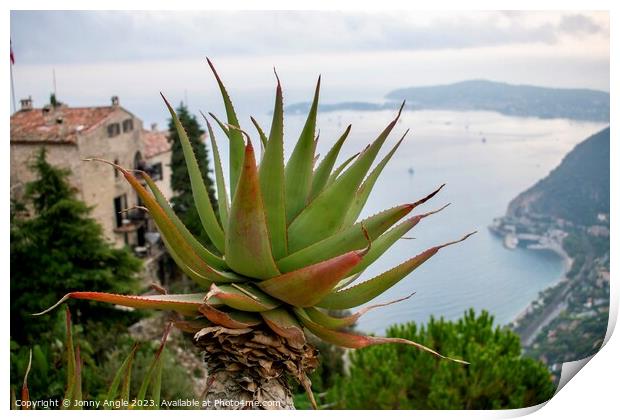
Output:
(59, 247)
(400, 377)
(183, 201)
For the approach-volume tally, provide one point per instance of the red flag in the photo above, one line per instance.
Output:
(12, 56)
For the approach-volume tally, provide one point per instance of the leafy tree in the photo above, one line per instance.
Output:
(183, 200)
(401, 377)
(59, 247)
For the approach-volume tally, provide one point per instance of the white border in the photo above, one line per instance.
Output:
(593, 394)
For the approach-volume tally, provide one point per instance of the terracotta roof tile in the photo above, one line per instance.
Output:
(155, 143)
(58, 125)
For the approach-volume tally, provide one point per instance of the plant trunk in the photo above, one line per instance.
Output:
(228, 391)
(249, 368)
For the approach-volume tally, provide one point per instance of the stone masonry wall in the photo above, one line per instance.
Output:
(100, 185)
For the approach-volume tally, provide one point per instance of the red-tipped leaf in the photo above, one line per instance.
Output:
(307, 286)
(336, 323)
(248, 246)
(354, 341)
(244, 297)
(364, 292)
(186, 304)
(285, 325)
(25, 392)
(231, 319)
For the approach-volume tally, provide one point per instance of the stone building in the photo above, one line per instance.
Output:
(158, 154)
(70, 134)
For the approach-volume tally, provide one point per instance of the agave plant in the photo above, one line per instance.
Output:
(285, 249)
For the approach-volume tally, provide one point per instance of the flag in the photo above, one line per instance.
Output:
(12, 55)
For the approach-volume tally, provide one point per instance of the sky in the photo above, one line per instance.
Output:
(360, 55)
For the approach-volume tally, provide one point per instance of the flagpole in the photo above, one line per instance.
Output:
(13, 90)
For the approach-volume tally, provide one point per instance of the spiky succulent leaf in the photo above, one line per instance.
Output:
(248, 247)
(244, 297)
(350, 238)
(336, 323)
(271, 175)
(186, 304)
(192, 326)
(299, 167)
(339, 169)
(368, 290)
(345, 240)
(153, 374)
(178, 246)
(77, 392)
(230, 319)
(327, 212)
(284, 324)
(210, 258)
(156, 387)
(235, 137)
(354, 341)
(222, 196)
(223, 126)
(25, 394)
(348, 280)
(71, 367)
(192, 274)
(261, 134)
(308, 285)
(385, 241)
(123, 373)
(199, 189)
(363, 192)
(322, 172)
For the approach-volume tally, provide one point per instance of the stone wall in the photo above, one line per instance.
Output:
(95, 182)
(164, 183)
(102, 183)
(62, 155)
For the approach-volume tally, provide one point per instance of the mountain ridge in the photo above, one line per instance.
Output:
(483, 95)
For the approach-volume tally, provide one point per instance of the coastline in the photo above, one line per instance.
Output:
(522, 233)
(567, 263)
(551, 309)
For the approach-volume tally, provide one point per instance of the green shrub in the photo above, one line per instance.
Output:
(401, 377)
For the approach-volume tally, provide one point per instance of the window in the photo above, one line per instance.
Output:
(139, 163)
(120, 204)
(114, 129)
(117, 173)
(127, 125)
(156, 171)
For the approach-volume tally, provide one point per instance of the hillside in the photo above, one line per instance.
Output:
(484, 95)
(518, 100)
(567, 321)
(577, 190)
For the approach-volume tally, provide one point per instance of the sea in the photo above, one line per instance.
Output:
(485, 159)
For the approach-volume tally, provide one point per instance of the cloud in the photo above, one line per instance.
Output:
(579, 24)
(45, 37)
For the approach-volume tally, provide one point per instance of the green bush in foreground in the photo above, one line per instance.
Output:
(398, 377)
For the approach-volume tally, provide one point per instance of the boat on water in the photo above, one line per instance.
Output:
(511, 241)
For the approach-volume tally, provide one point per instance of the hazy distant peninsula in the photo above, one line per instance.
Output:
(484, 95)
